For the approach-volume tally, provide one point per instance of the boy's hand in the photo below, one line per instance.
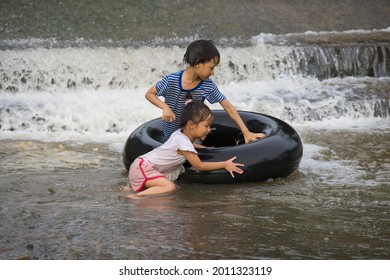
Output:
(168, 115)
(250, 137)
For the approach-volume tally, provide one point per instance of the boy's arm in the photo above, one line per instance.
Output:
(232, 112)
(151, 96)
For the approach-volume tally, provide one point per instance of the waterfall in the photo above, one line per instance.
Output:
(331, 61)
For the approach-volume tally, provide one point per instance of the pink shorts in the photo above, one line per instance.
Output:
(141, 170)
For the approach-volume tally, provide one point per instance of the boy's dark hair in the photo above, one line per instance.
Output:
(195, 111)
(201, 51)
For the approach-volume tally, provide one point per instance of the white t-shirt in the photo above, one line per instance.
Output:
(165, 158)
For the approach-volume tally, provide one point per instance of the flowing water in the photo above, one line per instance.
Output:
(72, 80)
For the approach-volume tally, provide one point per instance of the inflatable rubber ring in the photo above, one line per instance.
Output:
(276, 155)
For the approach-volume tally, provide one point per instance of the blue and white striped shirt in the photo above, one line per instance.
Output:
(170, 87)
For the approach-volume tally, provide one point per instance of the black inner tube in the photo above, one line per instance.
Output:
(278, 154)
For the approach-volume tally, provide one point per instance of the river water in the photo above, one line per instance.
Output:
(72, 81)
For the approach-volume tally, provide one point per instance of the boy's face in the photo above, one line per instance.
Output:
(205, 70)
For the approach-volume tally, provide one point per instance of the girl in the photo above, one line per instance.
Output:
(202, 56)
(146, 173)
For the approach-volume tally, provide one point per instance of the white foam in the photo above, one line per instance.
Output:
(284, 39)
(98, 93)
(331, 170)
(87, 115)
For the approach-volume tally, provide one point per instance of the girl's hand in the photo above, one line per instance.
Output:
(232, 167)
(168, 115)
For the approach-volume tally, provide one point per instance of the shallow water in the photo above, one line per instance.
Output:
(121, 22)
(63, 201)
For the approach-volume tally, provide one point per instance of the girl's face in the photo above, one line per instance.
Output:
(201, 129)
(205, 70)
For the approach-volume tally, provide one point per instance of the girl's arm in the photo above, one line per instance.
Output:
(229, 165)
(232, 112)
(151, 96)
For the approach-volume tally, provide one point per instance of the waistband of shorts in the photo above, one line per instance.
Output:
(143, 158)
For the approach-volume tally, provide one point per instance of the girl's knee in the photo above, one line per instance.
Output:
(171, 187)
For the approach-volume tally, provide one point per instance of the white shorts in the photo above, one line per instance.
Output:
(141, 171)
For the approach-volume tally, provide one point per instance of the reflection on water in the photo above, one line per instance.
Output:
(335, 207)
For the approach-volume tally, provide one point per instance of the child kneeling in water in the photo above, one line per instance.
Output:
(146, 173)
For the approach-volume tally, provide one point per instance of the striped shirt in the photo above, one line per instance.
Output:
(170, 87)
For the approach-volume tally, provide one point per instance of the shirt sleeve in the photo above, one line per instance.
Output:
(185, 144)
(215, 95)
(162, 86)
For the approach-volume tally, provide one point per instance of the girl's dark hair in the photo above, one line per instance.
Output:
(195, 111)
(201, 51)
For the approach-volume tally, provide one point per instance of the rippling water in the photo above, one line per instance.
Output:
(70, 205)
(72, 84)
